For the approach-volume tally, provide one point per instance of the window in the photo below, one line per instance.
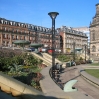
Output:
(17, 37)
(5, 28)
(93, 36)
(93, 49)
(10, 23)
(12, 36)
(2, 21)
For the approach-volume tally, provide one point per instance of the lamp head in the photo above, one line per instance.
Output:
(53, 14)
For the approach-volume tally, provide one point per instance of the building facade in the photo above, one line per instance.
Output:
(64, 37)
(94, 35)
(72, 39)
(12, 30)
(84, 30)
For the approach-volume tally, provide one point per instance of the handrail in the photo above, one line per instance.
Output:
(45, 60)
(51, 57)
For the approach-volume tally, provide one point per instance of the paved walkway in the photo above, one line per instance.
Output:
(82, 85)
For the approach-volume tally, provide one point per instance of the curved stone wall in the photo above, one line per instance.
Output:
(50, 88)
(91, 79)
(16, 88)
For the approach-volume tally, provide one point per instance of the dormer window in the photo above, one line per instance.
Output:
(40, 28)
(43, 29)
(18, 24)
(47, 30)
(22, 25)
(13, 23)
(32, 26)
(29, 26)
(5, 22)
(2, 21)
(37, 28)
(10, 23)
(25, 26)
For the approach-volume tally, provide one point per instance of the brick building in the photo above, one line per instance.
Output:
(72, 39)
(11, 31)
(64, 37)
(84, 30)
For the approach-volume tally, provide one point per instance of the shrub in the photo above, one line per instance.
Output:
(63, 58)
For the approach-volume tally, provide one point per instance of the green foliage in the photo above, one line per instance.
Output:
(40, 61)
(15, 68)
(11, 54)
(18, 60)
(33, 83)
(12, 62)
(35, 70)
(30, 60)
(5, 62)
(80, 58)
(95, 64)
(19, 66)
(64, 58)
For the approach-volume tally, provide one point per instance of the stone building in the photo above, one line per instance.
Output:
(72, 39)
(64, 37)
(94, 35)
(12, 30)
(84, 30)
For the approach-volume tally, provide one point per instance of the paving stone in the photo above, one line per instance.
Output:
(82, 85)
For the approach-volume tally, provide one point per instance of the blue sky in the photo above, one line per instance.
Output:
(72, 13)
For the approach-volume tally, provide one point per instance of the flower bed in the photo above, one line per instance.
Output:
(23, 67)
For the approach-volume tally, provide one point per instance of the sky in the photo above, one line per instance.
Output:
(72, 13)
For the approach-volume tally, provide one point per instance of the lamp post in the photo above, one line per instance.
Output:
(36, 36)
(74, 51)
(53, 17)
(85, 52)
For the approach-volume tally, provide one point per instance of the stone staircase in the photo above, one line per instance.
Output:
(83, 56)
(49, 58)
(45, 60)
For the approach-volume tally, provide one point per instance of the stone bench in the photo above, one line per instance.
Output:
(68, 87)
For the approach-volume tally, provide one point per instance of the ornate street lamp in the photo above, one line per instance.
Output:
(85, 52)
(73, 51)
(53, 16)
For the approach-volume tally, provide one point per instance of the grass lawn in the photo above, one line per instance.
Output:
(93, 72)
(94, 64)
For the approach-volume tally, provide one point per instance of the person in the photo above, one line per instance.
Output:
(73, 63)
(57, 66)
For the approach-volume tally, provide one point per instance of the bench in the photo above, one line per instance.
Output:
(68, 87)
